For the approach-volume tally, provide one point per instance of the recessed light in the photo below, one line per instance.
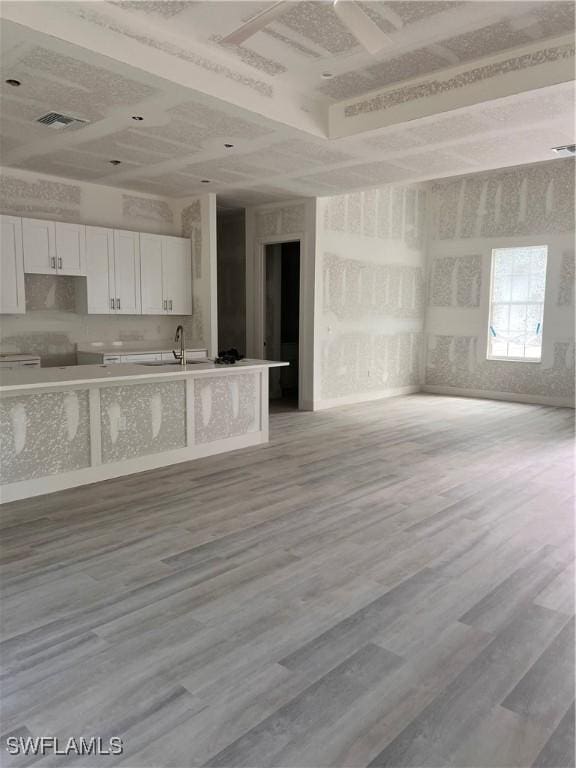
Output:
(327, 75)
(115, 162)
(228, 146)
(12, 82)
(205, 181)
(137, 117)
(567, 149)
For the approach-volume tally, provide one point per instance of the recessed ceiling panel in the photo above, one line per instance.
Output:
(411, 11)
(317, 22)
(182, 137)
(164, 8)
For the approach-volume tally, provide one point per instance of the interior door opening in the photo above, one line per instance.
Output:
(282, 321)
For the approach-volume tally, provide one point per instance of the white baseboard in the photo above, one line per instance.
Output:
(364, 397)
(512, 397)
(40, 485)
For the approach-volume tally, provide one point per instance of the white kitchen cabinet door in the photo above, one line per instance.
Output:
(151, 250)
(70, 249)
(100, 287)
(127, 272)
(39, 244)
(177, 275)
(12, 300)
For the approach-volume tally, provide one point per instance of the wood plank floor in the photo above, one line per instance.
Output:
(389, 584)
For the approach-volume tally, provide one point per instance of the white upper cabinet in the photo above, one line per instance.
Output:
(166, 275)
(100, 287)
(53, 247)
(151, 247)
(113, 272)
(70, 249)
(12, 299)
(39, 243)
(127, 272)
(177, 275)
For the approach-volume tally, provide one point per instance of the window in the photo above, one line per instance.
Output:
(517, 303)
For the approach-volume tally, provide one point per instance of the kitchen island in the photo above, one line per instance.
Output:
(64, 427)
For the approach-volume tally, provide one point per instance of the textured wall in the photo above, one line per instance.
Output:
(43, 434)
(372, 298)
(54, 321)
(226, 406)
(525, 205)
(282, 220)
(191, 226)
(232, 280)
(513, 202)
(141, 419)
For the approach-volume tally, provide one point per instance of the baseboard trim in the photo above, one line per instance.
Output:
(512, 397)
(39, 486)
(320, 405)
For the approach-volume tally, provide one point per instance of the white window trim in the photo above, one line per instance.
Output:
(495, 358)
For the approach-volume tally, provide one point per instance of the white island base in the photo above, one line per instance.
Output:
(64, 427)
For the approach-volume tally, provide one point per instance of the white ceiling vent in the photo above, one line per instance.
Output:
(58, 121)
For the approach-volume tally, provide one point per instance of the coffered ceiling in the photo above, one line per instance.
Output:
(460, 86)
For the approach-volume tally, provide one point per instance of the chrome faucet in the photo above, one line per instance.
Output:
(181, 356)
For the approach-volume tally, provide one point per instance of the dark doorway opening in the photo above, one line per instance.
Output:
(282, 318)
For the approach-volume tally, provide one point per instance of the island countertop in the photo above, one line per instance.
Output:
(69, 426)
(23, 379)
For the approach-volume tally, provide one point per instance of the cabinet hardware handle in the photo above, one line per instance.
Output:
(165, 304)
(170, 305)
(53, 262)
(118, 300)
(111, 303)
(59, 262)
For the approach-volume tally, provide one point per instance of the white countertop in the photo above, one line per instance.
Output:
(23, 379)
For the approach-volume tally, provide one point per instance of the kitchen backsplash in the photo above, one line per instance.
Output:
(53, 324)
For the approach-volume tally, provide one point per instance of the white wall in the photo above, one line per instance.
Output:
(370, 253)
(471, 215)
(52, 325)
(395, 285)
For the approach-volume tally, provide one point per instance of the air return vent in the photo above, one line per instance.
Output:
(58, 121)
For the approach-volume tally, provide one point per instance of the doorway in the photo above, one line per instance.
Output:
(282, 321)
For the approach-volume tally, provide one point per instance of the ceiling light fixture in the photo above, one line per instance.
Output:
(567, 149)
(12, 82)
(137, 117)
(115, 162)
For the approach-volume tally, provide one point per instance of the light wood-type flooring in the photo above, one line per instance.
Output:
(387, 584)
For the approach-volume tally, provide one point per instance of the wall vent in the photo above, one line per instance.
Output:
(58, 121)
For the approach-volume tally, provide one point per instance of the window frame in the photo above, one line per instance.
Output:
(509, 359)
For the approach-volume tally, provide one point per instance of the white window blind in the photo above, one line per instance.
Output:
(517, 303)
